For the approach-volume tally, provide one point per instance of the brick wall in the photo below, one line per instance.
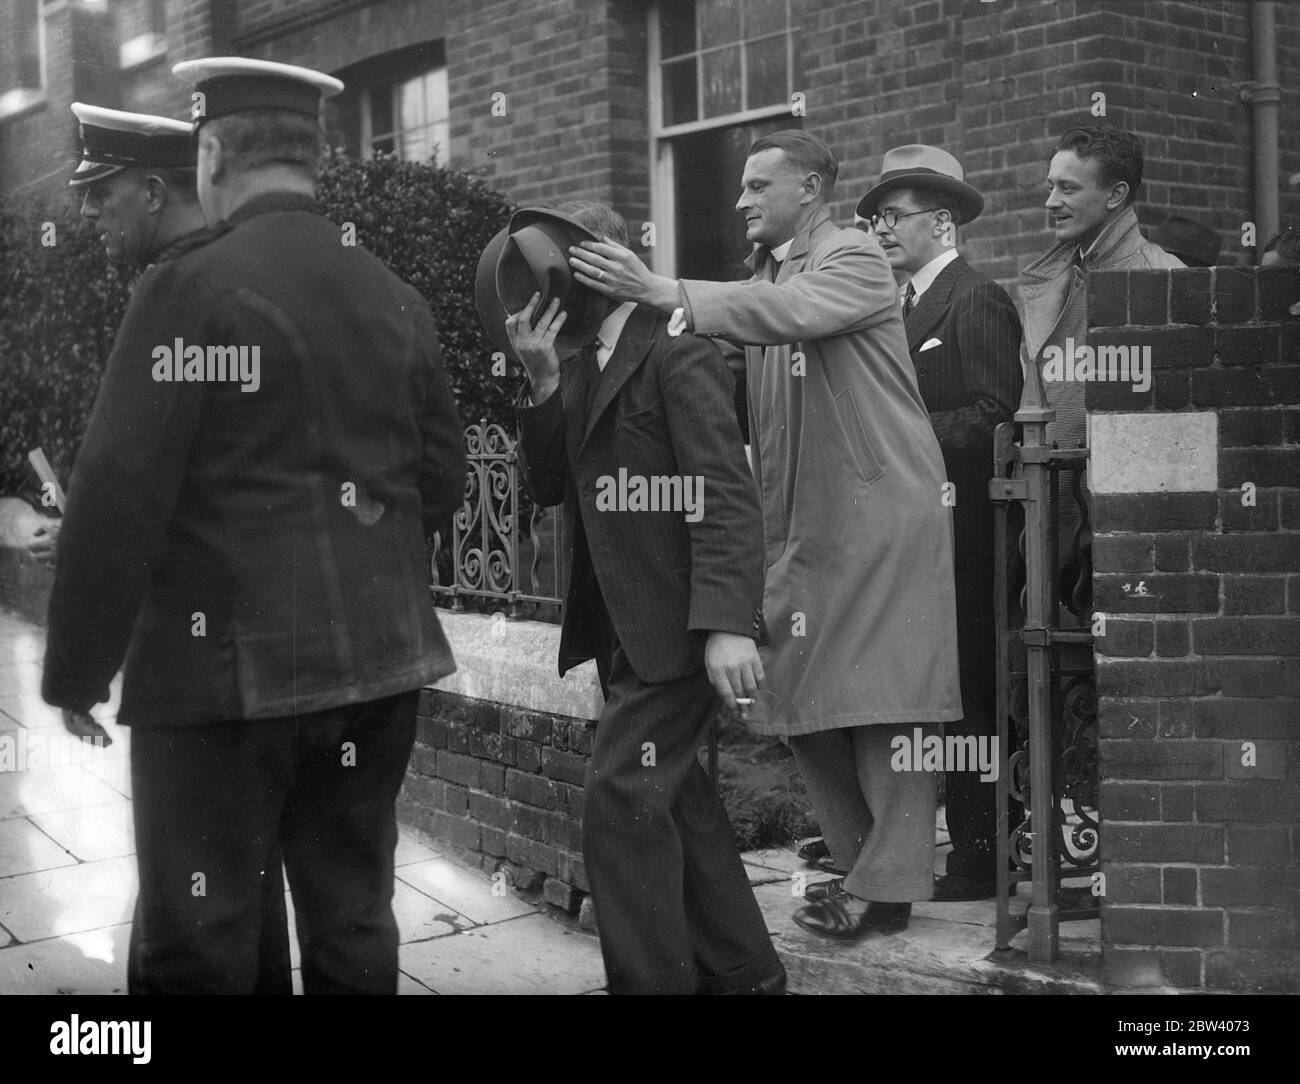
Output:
(1198, 675)
(502, 785)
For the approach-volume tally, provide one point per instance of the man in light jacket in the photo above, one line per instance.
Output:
(859, 597)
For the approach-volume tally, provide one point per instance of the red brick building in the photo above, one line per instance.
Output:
(651, 106)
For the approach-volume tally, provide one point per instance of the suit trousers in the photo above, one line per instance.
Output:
(675, 910)
(877, 822)
(215, 804)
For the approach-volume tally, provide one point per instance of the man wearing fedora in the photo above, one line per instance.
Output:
(1197, 245)
(665, 598)
(964, 339)
(254, 549)
(859, 597)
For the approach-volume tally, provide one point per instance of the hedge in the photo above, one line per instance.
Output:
(61, 303)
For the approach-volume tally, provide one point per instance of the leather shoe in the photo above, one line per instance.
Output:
(952, 887)
(816, 853)
(829, 918)
(822, 889)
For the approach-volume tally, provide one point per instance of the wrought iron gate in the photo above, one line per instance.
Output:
(1047, 787)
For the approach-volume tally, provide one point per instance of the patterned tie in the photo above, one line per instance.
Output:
(909, 300)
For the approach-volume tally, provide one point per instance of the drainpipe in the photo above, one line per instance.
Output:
(1264, 95)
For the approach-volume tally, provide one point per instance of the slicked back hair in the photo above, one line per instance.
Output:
(598, 217)
(805, 152)
(265, 137)
(939, 201)
(1118, 153)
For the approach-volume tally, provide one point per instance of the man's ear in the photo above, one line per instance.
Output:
(210, 146)
(1118, 195)
(812, 187)
(155, 193)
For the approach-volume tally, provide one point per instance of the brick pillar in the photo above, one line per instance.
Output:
(1196, 483)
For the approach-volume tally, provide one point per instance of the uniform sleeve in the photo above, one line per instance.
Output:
(442, 438)
(847, 287)
(123, 491)
(988, 342)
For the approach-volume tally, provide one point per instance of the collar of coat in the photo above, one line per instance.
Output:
(269, 202)
(1115, 245)
(799, 244)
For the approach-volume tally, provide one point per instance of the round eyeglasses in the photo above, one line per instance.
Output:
(891, 218)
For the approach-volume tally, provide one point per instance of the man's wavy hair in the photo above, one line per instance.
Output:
(805, 151)
(265, 137)
(598, 217)
(1118, 153)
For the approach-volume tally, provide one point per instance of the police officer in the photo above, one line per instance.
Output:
(255, 552)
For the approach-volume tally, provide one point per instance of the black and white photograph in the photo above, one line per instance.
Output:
(652, 497)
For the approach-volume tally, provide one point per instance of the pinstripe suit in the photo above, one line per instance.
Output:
(970, 383)
(675, 909)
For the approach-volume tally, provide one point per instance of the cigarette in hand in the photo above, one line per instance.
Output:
(744, 700)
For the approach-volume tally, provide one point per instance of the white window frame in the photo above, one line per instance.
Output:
(367, 125)
(663, 203)
(17, 99)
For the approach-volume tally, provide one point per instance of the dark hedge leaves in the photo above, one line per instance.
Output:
(60, 305)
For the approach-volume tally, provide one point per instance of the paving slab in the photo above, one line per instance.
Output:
(20, 679)
(84, 963)
(24, 794)
(22, 645)
(531, 955)
(73, 899)
(465, 891)
(24, 848)
(412, 847)
(92, 832)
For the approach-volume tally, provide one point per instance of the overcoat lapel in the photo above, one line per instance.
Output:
(934, 304)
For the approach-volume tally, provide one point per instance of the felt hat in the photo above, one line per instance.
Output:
(1194, 244)
(531, 255)
(112, 140)
(224, 85)
(919, 166)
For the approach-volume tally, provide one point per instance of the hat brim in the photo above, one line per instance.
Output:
(968, 199)
(531, 256)
(90, 172)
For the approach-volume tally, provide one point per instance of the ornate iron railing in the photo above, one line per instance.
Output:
(487, 549)
(1047, 789)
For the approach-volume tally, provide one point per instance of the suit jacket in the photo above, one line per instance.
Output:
(261, 552)
(971, 382)
(663, 408)
(859, 597)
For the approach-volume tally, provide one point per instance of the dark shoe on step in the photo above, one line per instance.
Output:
(816, 853)
(773, 982)
(830, 918)
(952, 888)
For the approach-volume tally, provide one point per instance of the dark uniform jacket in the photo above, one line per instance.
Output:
(663, 407)
(970, 383)
(259, 553)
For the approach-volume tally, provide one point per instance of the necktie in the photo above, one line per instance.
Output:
(590, 367)
(775, 266)
(909, 300)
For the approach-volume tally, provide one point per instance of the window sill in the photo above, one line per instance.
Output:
(141, 50)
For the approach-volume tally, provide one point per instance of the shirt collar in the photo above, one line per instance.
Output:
(781, 251)
(925, 277)
(610, 330)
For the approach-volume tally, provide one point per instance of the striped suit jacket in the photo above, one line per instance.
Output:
(970, 382)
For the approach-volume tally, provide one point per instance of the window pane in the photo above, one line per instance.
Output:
(410, 103)
(440, 141)
(722, 81)
(382, 146)
(764, 17)
(415, 145)
(381, 109)
(719, 22)
(681, 103)
(436, 98)
(677, 28)
(765, 74)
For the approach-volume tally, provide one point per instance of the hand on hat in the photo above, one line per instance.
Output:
(534, 342)
(616, 272)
